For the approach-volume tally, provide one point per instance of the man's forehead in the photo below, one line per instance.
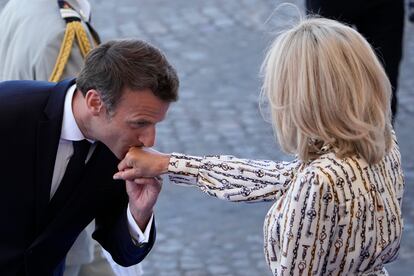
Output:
(142, 105)
(152, 110)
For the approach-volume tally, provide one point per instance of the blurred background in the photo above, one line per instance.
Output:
(217, 47)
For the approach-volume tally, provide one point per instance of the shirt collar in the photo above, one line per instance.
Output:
(70, 130)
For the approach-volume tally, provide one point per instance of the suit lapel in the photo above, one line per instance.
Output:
(93, 191)
(65, 194)
(47, 143)
(93, 183)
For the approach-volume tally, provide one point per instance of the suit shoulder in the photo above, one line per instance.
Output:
(17, 87)
(16, 96)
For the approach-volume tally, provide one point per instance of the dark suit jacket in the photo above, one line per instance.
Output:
(36, 233)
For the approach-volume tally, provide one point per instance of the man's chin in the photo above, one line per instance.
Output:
(120, 154)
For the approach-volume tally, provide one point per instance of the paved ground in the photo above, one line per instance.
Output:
(217, 47)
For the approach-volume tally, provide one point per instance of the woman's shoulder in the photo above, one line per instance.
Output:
(331, 173)
(329, 163)
(352, 176)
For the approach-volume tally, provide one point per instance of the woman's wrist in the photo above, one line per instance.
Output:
(164, 163)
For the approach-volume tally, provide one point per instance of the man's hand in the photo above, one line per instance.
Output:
(139, 163)
(142, 198)
(140, 169)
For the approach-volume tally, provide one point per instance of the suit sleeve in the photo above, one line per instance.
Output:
(112, 230)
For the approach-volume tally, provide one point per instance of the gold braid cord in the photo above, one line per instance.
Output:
(82, 38)
(73, 29)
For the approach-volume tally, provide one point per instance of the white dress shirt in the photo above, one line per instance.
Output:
(71, 132)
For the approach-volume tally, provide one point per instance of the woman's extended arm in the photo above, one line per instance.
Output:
(222, 176)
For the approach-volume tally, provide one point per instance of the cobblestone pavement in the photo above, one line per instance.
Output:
(217, 47)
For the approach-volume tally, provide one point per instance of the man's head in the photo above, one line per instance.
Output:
(127, 87)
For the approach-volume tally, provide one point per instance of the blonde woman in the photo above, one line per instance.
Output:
(337, 207)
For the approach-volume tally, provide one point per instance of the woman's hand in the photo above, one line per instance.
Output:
(142, 163)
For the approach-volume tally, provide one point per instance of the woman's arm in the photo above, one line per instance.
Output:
(225, 177)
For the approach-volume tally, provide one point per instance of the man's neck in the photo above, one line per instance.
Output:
(79, 112)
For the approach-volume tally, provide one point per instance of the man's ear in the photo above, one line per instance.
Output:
(94, 102)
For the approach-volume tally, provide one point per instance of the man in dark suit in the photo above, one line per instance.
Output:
(60, 145)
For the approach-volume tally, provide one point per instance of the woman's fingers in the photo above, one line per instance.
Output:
(128, 174)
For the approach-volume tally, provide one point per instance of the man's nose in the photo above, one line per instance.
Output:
(148, 137)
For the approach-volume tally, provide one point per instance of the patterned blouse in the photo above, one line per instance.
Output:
(330, 216)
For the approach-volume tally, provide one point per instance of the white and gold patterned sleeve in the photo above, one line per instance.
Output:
(230, 178)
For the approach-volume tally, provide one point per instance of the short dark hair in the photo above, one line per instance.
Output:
(133, 64)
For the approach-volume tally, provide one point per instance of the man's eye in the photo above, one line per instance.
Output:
(141, 124)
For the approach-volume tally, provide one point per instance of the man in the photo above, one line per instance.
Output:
(34, 31)
(122, 92)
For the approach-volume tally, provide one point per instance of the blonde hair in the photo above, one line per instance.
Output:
(325, 85)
